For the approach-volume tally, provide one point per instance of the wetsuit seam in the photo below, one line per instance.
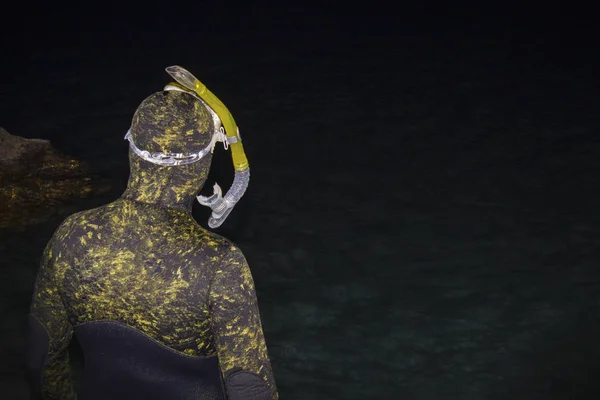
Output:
(177, 352)
(265, 384)
(214, 273)
(208, 297)
(244, 371)
(62, 348)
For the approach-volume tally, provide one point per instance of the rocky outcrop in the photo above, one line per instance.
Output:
(35, 180)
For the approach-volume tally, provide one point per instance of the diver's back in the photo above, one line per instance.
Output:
(162, 308)
(136, 280)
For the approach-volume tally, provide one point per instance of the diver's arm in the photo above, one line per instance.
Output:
(50, 332)
(241, 347)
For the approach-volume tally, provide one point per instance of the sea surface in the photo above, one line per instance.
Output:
(422, 218)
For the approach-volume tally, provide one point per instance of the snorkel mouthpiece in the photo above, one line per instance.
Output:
(221, 205)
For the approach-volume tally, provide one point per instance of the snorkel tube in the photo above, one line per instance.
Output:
(221, 205)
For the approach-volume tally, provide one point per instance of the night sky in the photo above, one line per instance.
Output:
(421, 221)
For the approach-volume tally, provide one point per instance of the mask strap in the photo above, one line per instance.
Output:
(219, 136)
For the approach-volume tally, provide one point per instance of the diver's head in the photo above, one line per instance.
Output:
(173, 124)
(164, 126)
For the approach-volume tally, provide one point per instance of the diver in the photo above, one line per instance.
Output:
(162, 308)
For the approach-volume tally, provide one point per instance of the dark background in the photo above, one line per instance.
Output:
(422, 216)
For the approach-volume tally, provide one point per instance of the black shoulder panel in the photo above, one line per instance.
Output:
(124, 363)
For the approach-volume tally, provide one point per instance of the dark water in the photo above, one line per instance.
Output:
(422, 217)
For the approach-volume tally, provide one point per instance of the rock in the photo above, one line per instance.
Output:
(35, 180)
(20, 158)
(18, 154)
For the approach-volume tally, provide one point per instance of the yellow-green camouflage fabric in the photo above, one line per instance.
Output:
(143, 261)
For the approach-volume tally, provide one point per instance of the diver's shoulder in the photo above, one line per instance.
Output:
(82, 219)
(207, 236)
(218, 242)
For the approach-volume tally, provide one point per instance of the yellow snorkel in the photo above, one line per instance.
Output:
(186, 79)
(221, 205)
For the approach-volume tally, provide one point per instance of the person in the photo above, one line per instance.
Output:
(162, 308)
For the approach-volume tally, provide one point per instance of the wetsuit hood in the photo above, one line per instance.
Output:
(169, 122)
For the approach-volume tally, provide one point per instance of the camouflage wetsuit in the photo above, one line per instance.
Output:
(162, 308)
